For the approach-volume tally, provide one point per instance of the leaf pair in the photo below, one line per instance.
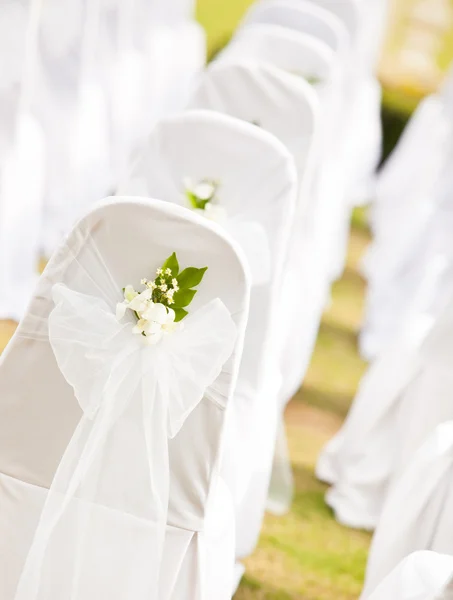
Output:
(187, 279)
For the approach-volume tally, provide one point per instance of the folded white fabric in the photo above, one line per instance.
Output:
(110, 441)
(418, 511)
(243, 177)
(422, 575)
(412, 184)
(415, 180)
(390, 417)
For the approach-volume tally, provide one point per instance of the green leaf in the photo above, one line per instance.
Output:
(190, 277)
(184, 297)
(195, 201)
(172, 263)
(180, 313)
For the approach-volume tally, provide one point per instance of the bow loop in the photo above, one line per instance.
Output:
(96, 353)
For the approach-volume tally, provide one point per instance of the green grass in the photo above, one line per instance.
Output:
(307, 555)
(220, 18)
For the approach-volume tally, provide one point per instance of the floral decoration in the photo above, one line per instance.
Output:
(162, 304)
(202, 197)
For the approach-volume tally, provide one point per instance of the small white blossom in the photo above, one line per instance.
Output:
(167, 271)
(170, 293)
(159, 272)
(163, 287)
(152, 285)
(205, 190)
(144, 281)
(132, 299)
(174, 283)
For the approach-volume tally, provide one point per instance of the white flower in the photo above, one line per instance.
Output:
(159, 272)
(204, 190)
(174, 283)
(144, 281)
(156, 321)
(167, 271)
(140, 302)
(170, 293)
(163, 287)
(133, 300)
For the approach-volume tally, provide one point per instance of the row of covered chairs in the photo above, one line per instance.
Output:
(389, 466)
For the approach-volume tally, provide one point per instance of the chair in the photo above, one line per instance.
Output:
(412, 181)
(423, 575)
(417, 512)
(256, 185)
(304, 17)
(103, 499)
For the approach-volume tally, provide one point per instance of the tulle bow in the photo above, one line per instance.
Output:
(107, 506)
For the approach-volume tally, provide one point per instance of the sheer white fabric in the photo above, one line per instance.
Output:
(114, 488)
(422, 575)
(417, 512)
(257, 184)
(71, 106)
(22, 157)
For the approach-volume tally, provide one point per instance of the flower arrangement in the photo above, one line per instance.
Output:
(162, 304)
(202, 197)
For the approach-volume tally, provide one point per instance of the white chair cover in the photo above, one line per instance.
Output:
(320, 206)
(362, 144)
(268, 97)
(418, 511)
(287, 107)
(409, 192)
(93, 504)
(422, 575)
(320, 224)
(257, 188)
(302, 16)
(348, 11)
(389, 417)
(22, 157)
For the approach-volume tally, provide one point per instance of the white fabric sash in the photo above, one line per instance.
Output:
(102, 528)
